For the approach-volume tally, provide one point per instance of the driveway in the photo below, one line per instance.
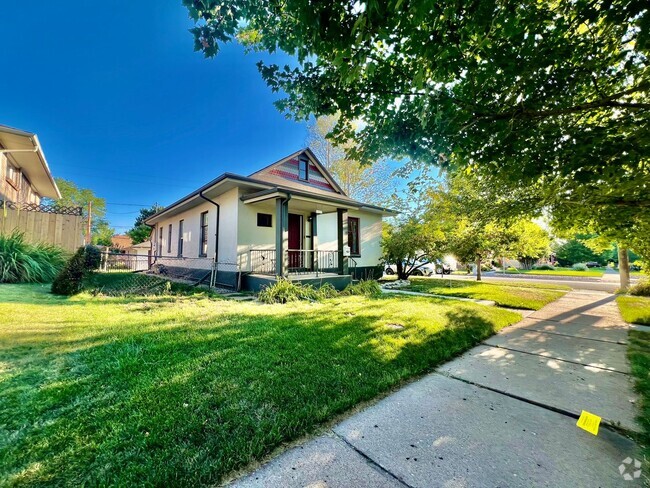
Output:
(503, 414)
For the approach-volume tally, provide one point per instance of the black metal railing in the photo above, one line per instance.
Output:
(262, 261)
(304, 261)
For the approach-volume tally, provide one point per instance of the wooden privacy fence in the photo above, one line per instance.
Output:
(52, 224)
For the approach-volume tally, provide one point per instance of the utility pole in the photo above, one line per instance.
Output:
(88, 223)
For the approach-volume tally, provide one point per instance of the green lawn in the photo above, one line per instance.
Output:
(591, 273)
(635, 310)
(182, 390)
(532, 296)
(638, 352)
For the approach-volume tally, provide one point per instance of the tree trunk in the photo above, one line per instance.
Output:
(478, 269)
(623, 268)
(401, 275)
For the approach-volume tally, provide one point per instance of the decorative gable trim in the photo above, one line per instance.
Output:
(287, 168)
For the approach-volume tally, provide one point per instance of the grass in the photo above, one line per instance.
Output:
(182, 390)
(531, 296)
(593, 272)
(638, 352)
(635, 310)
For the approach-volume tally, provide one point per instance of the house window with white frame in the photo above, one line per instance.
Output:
(169, 239)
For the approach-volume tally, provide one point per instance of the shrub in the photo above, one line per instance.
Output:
(22, 262)
(284, 291)
(580, 267)
(367, 288)
(71, 278)
(641, 289)
(546, 267)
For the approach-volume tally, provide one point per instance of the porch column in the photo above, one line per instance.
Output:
(342, 231)
(313, 242)
(281, 237)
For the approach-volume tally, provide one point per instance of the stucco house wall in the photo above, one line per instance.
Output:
(370, 229)
(228, 224)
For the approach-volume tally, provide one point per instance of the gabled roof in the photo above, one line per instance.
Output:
(23, 149)
(274, 174)
(261, 183)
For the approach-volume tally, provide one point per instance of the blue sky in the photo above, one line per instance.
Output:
(123, 105)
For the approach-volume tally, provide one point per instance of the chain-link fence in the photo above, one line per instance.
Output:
(131, 284)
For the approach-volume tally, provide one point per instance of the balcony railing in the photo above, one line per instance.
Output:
(300, 261)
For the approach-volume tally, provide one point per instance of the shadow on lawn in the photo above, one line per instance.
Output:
(187, 403)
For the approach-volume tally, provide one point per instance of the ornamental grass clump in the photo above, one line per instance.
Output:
(22, 262)
(366, 288)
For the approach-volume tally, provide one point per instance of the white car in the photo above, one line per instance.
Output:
(426, 269)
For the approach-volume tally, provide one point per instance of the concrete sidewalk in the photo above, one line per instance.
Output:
(503, 414)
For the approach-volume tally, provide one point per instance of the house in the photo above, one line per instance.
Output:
(25, 181)
(26, 177)
(121, 242)
(288, 219)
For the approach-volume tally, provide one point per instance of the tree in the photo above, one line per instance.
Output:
(102, 233)
(367, 183)
(546, 96)
(74, 196)
(140, 231)
(573, 251)
(529, 242)
(409, 244)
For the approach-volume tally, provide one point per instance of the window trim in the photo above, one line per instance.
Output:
(266, 215)
(354, 254)
(179, 251)
(160, 241)
(169, 240)
(304, 160)
(203, 234)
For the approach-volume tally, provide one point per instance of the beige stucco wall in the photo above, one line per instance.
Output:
(191, 229)
(370, 225)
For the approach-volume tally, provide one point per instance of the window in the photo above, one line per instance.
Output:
(169, 239)
(160, 236)
(13, 176)
(180, 239)
(203, 249)
(303, 168)
(353, 236)
(264, 220)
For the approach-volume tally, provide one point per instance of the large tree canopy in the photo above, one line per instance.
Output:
(526, 89)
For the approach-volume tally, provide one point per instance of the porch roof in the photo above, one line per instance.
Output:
(332, 202)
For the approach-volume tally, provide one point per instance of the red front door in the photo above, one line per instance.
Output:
(295, 241)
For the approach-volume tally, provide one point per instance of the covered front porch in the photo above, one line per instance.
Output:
(285, 240)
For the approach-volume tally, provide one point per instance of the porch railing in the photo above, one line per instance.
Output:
(262, 261)
(301, 261)
(305, 261)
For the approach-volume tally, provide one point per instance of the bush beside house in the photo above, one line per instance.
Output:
(71, 278)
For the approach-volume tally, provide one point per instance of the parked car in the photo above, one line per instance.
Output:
(592, 264)
(424, 269)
